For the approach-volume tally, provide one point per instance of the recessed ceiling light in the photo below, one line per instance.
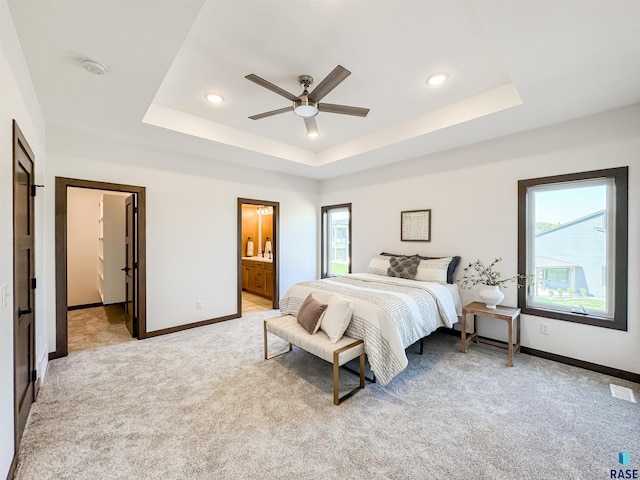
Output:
(94, 67)
(313, 134)
(437, 79)
(214, 97)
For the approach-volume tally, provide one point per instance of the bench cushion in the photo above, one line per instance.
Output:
(288, 328)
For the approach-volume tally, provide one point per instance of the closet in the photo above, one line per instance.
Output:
(111, 249)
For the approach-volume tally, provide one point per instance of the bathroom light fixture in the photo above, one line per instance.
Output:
(262, 210)
(94, 67)
(214, 97)
(437, 79)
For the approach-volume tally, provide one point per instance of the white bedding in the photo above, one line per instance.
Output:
(389, 313)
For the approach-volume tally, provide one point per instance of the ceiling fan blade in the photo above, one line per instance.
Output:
(312, 126)
(343, 109)
(330, 82)
(270, 86)
(272, 112)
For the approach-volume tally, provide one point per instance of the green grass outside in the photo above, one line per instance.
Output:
(586, 302)
(339, 268)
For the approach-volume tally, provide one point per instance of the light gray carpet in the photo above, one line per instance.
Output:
(95, 327)
(203, 404)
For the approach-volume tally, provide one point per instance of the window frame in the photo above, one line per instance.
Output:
(324, 238)
(620, 177)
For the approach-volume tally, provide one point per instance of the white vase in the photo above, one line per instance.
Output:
(490, 295)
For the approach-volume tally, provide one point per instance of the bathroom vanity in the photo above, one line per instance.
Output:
(257, 276)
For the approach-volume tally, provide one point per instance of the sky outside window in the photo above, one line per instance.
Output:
(560, 206)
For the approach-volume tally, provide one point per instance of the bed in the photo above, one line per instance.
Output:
(389, 313)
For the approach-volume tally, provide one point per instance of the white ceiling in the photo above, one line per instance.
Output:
(513, 66)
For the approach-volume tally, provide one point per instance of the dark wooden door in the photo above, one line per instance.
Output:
(23, 281)
(130, 270)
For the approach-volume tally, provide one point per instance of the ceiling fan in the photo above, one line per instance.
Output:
(307, 105)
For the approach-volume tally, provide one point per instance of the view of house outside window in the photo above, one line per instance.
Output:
(573, 244)
(571, 229)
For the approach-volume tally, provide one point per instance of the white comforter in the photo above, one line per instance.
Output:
(389, 313)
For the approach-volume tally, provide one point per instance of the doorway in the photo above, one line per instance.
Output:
(258, 255)
(96, 279)
(134, 266)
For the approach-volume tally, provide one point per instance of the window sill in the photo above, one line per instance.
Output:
(594, 320)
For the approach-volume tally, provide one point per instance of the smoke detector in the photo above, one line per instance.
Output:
(94, 67)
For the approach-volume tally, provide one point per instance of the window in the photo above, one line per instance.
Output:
(336, 240)
(572, 237)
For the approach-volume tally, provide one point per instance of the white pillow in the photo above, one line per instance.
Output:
(434, 270)
(322, 296)
(336, 317)
(378, 265)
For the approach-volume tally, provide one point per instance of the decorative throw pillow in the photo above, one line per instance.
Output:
(322, 296)
(336, 317)
(310, 313)
(403, 267)
(434, 270)
(455, 261)
(453, 264)
(378, 265)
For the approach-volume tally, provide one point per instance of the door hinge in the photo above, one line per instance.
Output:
(33, 189)
(33, 283)
(34, 375)
(135, 265)
(135, 209)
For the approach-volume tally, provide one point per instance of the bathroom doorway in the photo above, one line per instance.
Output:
(258, 259)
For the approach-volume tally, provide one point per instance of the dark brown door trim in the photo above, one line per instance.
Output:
(62, 184)
(276, 248)
(24, 392)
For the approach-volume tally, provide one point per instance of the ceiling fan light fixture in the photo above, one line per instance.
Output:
(306, 111)
(214, 97)
(437, 79)
(307, 105)
(305, 108)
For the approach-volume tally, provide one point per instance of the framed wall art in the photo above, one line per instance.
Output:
(415, 226)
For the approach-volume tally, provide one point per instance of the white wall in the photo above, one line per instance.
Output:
(83, 212)
(191, 222)
(473, 196)
(17, 101)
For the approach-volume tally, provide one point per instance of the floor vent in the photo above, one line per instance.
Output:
(622, 393)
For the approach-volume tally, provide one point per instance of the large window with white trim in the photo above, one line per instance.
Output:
(573, 247)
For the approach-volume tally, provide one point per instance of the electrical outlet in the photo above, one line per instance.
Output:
(199, 304)
(544, 329)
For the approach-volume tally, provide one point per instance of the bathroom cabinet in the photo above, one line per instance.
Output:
(257, 277)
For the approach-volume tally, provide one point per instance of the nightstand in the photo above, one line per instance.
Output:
(508, 314)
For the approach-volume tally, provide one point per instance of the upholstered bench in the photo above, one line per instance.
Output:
(318, 344)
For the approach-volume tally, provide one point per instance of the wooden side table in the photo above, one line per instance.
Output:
(509, 314)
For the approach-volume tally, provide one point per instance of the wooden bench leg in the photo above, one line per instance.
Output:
(266, 346)
(336, 374)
